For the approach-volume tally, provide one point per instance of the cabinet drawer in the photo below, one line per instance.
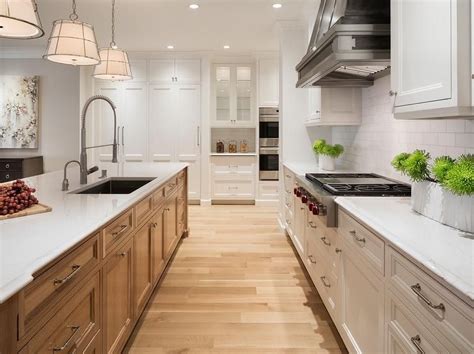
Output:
(234, 189)
(363, 241)
(143, 209)
(49, 287)
(181, 179)
(10, 166)
(314, 261)
(171, 186)
(289, 179)
(117, 231)
(6, 176)
(159, 198)
(236, 164)
(406, 332)
(233, 176)
(73, 326)
(452, 317)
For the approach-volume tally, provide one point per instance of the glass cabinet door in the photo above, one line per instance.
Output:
(243, 93)
(223, 112)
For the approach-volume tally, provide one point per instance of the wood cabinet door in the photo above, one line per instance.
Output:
(157, 245)
(118, 298)
(162, 123)
(161, 71)
(133, 122)
(188, 71)
(189, 135)
(170, 225)
(362, 306)
(421, 51)
(142, 266)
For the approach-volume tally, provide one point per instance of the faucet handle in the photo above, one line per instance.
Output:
(92, 170)
(65, 185)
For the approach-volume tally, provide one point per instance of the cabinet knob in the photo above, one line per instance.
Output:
(7, 165)
(123, 254)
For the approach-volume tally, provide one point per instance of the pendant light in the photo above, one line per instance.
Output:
(19, 19)
(72, 42)
(114, 64)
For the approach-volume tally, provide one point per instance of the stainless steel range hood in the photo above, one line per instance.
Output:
(350, 44)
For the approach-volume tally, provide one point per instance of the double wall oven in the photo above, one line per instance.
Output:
(269, 118)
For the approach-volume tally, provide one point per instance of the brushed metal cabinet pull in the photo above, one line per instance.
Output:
(312, 224)
(338, 250)
(310, 257)
(120, 231)
(417, 290)
(416, 340)
(75, 330)
(75, 268)
(324, 239)
(323, 280)
(357, 238)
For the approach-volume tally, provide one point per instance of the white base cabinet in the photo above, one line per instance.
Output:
(379, 300)
(233, 178)
(431, 66)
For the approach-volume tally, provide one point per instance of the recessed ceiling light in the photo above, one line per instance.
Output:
(170, 47)
(277, 6)
(194, 6)
(227, 47)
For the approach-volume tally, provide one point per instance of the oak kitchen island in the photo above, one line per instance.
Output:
(78, 278)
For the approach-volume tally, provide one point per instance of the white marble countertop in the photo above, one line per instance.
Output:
(301, 168)
(443, 251)
(29, 243)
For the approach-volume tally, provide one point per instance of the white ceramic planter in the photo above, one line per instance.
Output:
(327, 163)
(437, 203)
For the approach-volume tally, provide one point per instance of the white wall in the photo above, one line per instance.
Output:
(296, 139)
(59, 110)
(371, 146)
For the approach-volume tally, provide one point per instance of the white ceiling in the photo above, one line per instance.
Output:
(152, 25)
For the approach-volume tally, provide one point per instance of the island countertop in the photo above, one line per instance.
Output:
(29, 243)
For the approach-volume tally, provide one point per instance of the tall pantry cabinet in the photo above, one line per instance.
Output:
(158, 115)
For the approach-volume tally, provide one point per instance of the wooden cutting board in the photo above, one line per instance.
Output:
(34, 209)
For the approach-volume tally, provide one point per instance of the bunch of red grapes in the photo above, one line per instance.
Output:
(15, 197)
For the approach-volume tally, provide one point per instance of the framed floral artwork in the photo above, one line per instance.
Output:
(19, 120)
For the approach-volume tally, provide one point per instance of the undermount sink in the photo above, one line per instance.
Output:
(115, 186)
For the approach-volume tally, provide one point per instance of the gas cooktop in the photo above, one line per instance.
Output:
(359, 184)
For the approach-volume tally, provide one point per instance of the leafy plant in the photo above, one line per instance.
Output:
(460, 179)
(320, 147)
(442, 165)
(457, 176)
(398, 161)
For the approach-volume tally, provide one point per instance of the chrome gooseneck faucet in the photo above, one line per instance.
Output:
(84, 170)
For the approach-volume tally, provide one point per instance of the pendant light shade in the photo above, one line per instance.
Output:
(114, 65)
(72, 42)
(19, 19)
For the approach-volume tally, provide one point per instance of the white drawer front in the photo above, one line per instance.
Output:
(364, 242)
(233, 164)
(452, 317)
(289, 178)
(233, 176)
(268, 191)
(406, 333)
(233, 190)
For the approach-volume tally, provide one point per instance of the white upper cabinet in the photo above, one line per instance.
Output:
(182, 71)
(268, 83)
(233, 104)
(431, 70)
(332, 106)
(139, 69)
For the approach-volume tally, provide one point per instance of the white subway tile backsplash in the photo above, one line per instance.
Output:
(372, 145)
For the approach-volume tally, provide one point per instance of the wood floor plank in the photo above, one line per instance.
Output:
(235, 286)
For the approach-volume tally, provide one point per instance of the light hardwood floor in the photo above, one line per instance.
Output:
(235, 286)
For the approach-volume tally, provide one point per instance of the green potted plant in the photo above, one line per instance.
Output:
(443, 189)
(327, 154)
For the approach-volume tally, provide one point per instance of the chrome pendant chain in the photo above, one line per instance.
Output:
(73, 16)
(112, 43)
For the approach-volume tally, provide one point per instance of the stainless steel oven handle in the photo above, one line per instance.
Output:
(269, 150)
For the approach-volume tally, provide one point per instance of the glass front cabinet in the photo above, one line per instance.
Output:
(233, 104)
